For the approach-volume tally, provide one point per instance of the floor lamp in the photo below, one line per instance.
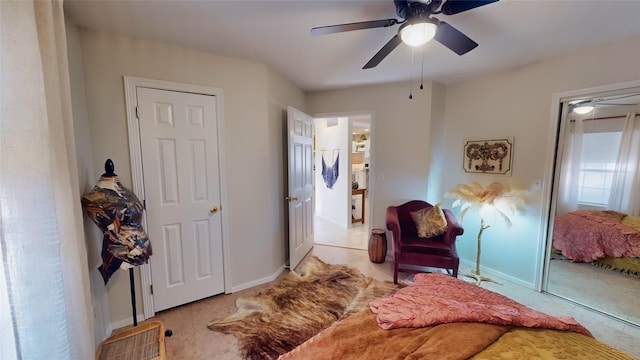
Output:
(491, 201)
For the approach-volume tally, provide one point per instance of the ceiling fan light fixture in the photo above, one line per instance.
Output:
(583, 108)
(419, 32)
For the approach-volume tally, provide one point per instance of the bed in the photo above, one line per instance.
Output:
(441, 317)
(609, 238)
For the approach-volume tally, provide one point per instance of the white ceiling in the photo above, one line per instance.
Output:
(511, 33)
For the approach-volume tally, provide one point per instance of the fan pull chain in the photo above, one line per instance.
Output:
(422, 74)
(411, 75)
(410, 90)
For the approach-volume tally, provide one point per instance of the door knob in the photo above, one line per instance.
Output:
(213, 209)
(291, 198)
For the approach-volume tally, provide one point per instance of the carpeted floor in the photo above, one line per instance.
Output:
(625, 265)
(609, 291)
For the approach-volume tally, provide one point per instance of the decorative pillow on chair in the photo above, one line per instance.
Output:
(430, 222)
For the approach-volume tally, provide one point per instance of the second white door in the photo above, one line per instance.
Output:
(300, 177)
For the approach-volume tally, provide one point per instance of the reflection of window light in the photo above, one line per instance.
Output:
(599, 153)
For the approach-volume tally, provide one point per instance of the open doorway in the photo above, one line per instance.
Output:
(342, 191)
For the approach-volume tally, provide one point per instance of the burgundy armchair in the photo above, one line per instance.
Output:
(409, 249)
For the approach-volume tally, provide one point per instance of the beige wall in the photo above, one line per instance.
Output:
(254, 98)
(93, 235)
(400, 138)
(438, 156)
(517, 103)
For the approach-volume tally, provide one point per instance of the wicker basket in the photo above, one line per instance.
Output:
(142, 342)
(377, 246)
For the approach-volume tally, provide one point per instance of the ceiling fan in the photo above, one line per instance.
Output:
(417, 27)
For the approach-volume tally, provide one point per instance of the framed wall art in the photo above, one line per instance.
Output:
(488, 156)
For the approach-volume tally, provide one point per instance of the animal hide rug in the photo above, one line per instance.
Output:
(305, 302)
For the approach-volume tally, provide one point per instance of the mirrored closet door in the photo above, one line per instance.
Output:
(594, 224)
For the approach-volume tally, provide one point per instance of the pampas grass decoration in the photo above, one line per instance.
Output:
(495, 199)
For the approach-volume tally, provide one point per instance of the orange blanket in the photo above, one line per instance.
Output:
(359, 337)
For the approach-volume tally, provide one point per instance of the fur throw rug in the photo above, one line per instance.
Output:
(305, 302)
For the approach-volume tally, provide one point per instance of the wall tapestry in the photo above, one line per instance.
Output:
(488, 156)
(330, 173)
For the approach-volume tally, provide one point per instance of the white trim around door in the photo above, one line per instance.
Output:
(131, 102)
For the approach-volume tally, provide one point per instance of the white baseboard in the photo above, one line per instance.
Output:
(489, 271)
(498, 274)
(129, 321)
(257, 282)
(124, 322)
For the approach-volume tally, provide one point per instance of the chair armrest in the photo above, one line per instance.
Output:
(393, 224)
(453, 227)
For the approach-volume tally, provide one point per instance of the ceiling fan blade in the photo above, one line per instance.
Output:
(386, 50)
(457, 6)
(450, 37)
(331, 29)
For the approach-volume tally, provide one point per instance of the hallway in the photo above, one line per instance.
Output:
(328, 233)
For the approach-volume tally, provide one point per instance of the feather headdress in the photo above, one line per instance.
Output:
(495, 198)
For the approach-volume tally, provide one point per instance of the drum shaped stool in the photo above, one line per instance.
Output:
(377, 246)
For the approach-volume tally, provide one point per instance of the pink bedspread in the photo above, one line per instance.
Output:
(590, 235)
(437, 298)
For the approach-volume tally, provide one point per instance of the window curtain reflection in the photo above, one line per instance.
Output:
(45, 308)
(625, 190)
(570, 169)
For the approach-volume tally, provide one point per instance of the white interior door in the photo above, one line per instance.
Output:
(178, 136)
(300, 197)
